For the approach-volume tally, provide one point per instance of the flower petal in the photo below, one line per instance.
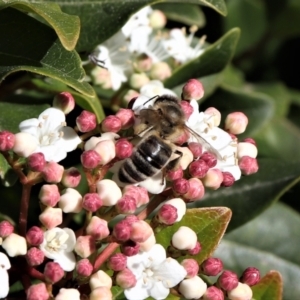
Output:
(4, 287)
(52, 118)
(29, 126)
(157, 254)
(138, 292)
(159, 291)
(66, 260)
(70, 139)
(71, 241)
(4, 262)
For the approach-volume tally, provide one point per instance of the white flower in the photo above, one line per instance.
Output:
(15, 245)
(4, 266)
(155, 274)
(58, 245)
(68, 294)
(52, 136)
(179, 46)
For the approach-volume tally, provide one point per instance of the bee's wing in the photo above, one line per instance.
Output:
(205, 143)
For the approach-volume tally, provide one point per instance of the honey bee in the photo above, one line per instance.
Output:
(160, 126)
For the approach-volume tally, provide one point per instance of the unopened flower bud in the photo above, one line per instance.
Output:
(241, 292)
(187, 157)
(249, 140)
(109, 192)
(25, 144)
(6, 228)
(213, 179)
(191, 266)
(68, 294)
(228, 179)
(214, 114)
(126, 205)
(130, 248)
(126, 116)
(53, 272)
(193, 89)
(167, 214)
(187, 108)
(36, 162)
(71, 177)
(195, 250)
(213, 293)
(53, 172)
(192, 288)
(212, 266)
(91, 202)
(101, 292)
(84, 267)
(86, 121)
(181, 139)
(157, 19)
(49, 194)
(180, 206)
(7, 140)
(14, 245)
(198, 168)
(122, 231)
(248, 165)
(35, 256)
(100, 279)
(228, 280)
(35, 236)
(64, 101)
(140, 194)
(117, 262)
(181, 186)
(70, 201)
(111, 124)
(97, 228)
(126, 279)
(85, 246)
(160, 70)
(90, 159)
(246, 149)
(196, 149)
(123, 148)
(236, 122)
(101, 77)
(142, 63)
(137, 80)
(148, 244)
(140, 231)
(196, 191)
(130, 219)
(184, 238)
(209, 158)
(107, 151)
(37, 291)
(250, 276)
(51, 217)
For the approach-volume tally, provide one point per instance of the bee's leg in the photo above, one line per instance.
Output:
(173, 163)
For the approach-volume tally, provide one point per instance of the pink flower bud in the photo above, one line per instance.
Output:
(184, 238)
(160, 71)
(126, 116)
(214, 114)
(64, 101)
(70, 201)
(53, 172)
(182, 138)
(140, 231)
(228, 280)
(85, 246)
(174, 174)
(122, 231)
(180, 206)
(25, 144)
(209, 158)
(187, 108)
(107, 151)
(117, 262)
(97, 228)
(213, 293)
(126, 279)
(34, 256)
(36, 162)
(35, 236)
(250, 141)
(140, 194)
(148, 244)
(198, 168)
(193, 89)
(248, 165)
(51, 217)
(108, 191)
(181, 186)
(157, 19)
(37, 292)
(71, 177)
(241, 292)
(236, 122)
(84, 267)
(196, 191)
(167, 214)
(111, 124)
(130, 219)
(86, 121)
(126, 205)
(123, 149)
(195, 250)
(196, 149)
(130, 248)
(90, 159)
(213, 179)
(228, 179)
(6, 228)
(49, 194)
(101, 292)
(7, 140)
(91, 202)
(250, 276)
(53, 272)
(212, 266)
(191, 266)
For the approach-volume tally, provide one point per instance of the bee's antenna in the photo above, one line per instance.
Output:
(100, 63)
(151, 99)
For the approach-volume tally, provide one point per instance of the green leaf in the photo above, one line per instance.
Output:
(7, 176)
(212, 60)
(32, 46)
(181, 12)
(209, 225)
(251, 195)
(101, 19)
(233, 77)
(67, 27)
